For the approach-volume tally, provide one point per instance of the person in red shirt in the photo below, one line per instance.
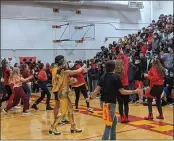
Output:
(25, 74)
(156, 77)
(144, 49)
(42, 79)
(79, 86)
(6, 74)
(122, 66)
(19, 93)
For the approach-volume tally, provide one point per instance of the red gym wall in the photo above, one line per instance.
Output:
(27, 59)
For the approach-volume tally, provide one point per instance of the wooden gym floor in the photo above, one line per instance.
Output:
(36, 125)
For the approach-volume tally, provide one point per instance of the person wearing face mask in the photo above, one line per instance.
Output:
(169, 60)
(137, 78)
(101, 71)
(164, 36)
(168, 86)
(146, 65)
(156, 30)
(147, 62)
(93, 74)
(131, 74)
(141, 55)
(155, 42)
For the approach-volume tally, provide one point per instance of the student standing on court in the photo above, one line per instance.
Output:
(122, 70)
(19, 93)
(156, 77)
(42, 79)
(63, 75)
(79, 86)
(111, 86)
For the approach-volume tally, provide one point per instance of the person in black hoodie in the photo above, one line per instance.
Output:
(93, 74)
(131, 75)
(138, 76)
(35, 87)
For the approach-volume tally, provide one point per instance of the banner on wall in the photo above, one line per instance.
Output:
(11, 60)
(28, 59)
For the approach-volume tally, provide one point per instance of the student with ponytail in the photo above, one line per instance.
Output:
(156, 77)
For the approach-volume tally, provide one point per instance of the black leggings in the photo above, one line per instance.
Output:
(123, 100)
(56, 96)
(83, 90)
(43, 92)
(155, 92)
(3, 93)
(35, 87)
(8, 90)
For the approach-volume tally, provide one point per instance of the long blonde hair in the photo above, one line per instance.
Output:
(14, 72)
(119, 68)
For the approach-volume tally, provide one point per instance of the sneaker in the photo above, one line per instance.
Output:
(90, 110)
(141, 101)
(126, 120)
(16, 107)
(5, 111)
(150, 117)
(65, 121)
(26, 113)
(61, 123)
(55, 132)
(137, 102)
(160, 116)
(122, 119)
(34, 107)
(76, 130)
(49, 107)
(76, 110)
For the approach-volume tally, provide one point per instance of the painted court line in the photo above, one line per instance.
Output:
(138, 122)
(101, 135)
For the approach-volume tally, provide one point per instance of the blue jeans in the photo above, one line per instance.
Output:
(110, 131)
(44, 92)
(27, 89)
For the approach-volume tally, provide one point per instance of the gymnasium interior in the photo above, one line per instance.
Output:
(86, 32)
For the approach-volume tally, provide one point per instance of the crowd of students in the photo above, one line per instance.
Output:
(155, 41)
(35, 77)
(142, 61)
